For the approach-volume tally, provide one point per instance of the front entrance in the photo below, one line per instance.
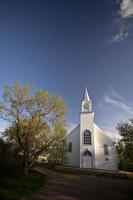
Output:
(87, 159)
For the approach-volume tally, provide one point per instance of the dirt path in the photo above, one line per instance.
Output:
(82, 187)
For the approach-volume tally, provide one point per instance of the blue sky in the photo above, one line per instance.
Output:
(63, 45)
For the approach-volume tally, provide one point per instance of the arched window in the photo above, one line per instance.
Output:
(87, 153)
(106, 150)
(87, 137)
(69, 147)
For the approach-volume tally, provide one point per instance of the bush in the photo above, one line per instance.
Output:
(9, 161)
(125, 165)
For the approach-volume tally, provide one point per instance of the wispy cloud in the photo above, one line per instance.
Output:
(120, 35)
(114, 108)
(121, 21)
(115, 94)
(117, 101)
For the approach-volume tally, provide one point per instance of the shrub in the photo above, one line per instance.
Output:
(125, 165)
(9, 161)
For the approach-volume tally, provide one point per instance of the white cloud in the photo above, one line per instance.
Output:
(126, 8)
(122, 21)
(117, 101)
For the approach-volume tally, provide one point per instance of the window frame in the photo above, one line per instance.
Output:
(87, 137)
(70, 147)
(106, 149)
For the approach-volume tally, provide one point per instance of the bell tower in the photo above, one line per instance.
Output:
(86, 125)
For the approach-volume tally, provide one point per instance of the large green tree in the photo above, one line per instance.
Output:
(33, 116)
(125, 145)
(57, 150)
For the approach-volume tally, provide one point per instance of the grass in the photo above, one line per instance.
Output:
(14, 188)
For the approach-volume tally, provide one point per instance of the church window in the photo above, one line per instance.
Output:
(106, 151)
(87, 153)
(87, 137)
(70, 147)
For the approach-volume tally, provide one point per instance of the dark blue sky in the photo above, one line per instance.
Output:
(63, 45)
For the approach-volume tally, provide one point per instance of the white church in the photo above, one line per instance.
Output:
(88, 145)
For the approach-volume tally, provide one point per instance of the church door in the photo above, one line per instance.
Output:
(87, 159)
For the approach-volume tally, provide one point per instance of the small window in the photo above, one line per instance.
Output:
(70, 147)
(87, 137)
(106, 150)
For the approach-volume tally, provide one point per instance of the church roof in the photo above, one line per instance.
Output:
(104, 132)
(75, 129)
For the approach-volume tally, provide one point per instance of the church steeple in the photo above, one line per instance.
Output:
(86, 105)
(87, 98)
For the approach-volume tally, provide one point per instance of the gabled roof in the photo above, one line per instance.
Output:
(105, 133)
(77, 127)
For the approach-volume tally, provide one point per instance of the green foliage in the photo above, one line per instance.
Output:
(125, 164)
(14, 188)
(33, 117)
(57, 150)
(125, 146)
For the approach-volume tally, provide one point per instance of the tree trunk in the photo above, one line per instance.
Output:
(25, 164)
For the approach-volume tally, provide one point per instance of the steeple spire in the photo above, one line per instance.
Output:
(86, 103)
(87, 98)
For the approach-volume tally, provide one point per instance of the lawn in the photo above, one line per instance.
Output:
(13, 188)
